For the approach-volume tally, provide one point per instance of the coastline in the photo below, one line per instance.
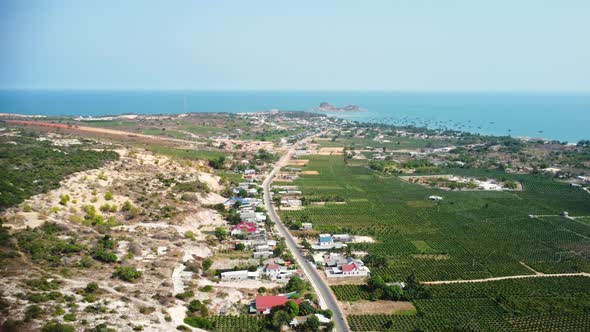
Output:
(553, 116)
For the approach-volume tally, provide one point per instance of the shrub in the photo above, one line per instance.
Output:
(64, 199)
(70, 317)
(198, 322)
(189, 235)
(206, 288)
(127, 273)
(27, 208)
(207, 264)
(33, 312)
(108, 196)
(185, 295)
(55, 326)
(126, 206)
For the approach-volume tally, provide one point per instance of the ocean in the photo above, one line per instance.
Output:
(556, 116)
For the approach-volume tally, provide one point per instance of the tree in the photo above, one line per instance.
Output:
(276, 200)
(217, 163)
(305, 308)
(296, 284)
(292, 308)
(220, 233)
(280, 318)
(312, 324)
(330, 326)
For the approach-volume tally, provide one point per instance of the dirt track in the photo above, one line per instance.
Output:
(95, 130)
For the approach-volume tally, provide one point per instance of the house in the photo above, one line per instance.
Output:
(272, 270)
(341, 238)
(306, 226)
(239, 275)
(287, 274)
(302, 319)
(291, 202)
(263, 304)
(325, 240)
(243, 227)
(262, 254)
(348, 270)
(435, 198)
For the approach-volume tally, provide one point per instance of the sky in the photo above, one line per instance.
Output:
(451, 45)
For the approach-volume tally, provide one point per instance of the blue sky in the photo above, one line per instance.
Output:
(304, 45)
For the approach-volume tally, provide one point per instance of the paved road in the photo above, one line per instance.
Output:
(325, 295)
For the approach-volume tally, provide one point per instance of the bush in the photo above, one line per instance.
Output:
(206, 288)
(55, 326)
(189, 235)
(127, 273)
(33, 312)
(64, 199)
(198, 322)
(207, 264)
(126, 206)
(70, 317)
(108, 196)
(185, 295)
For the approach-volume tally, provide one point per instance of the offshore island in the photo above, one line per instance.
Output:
(327, 107)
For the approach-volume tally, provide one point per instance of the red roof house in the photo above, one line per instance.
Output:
(244, 227)
(348, 267)
(272, 267)
(263, 304)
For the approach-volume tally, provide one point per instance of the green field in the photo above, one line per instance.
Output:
(468, 235)
(534, 304)
(395, 143)
(166, 133)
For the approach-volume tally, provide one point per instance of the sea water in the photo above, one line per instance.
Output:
(558, 116)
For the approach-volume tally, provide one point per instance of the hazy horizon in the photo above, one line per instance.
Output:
(423, 46)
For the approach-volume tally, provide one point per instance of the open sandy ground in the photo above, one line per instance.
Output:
(377, 307)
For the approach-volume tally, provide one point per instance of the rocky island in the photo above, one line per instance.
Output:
(327, 107)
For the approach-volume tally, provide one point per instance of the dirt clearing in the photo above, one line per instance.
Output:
(310, 173)
(377, 307)
(336, 151)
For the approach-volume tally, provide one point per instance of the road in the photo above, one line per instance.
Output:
(325, 295)
(524, 276)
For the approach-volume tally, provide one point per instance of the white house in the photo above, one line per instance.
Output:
(435, 198)
(291, 202)
(306, 226)
(272, 270)
(239, 275)
(341, 238)
(325, 240)
(348, 270)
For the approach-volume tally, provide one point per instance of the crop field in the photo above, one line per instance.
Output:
(394, 144)
(468, 235)
(237, 323)
(534, 304)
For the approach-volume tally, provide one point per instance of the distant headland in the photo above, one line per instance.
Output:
(327, 107)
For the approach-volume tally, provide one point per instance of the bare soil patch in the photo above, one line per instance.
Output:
(310, 173)
(298, 162)
(377, 307)
(333, 151)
